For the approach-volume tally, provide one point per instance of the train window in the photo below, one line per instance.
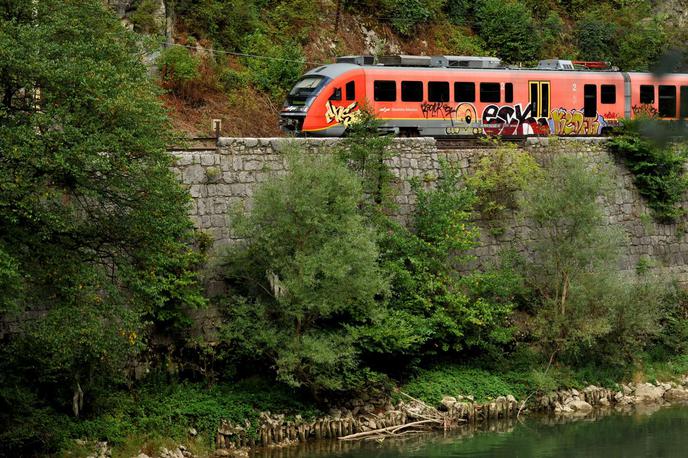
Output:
(438, 91)
(667, 101)
(684, 101)
(385, 91)
(351, 90)
(590, 101)
(608, 93)
(411, 91)
(489, 92)
(336, 94)
(508, 93)
(647, 94)
(464, 92)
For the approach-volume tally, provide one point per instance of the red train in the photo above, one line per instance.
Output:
(457, 96)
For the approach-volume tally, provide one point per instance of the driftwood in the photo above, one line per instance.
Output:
(429, 417)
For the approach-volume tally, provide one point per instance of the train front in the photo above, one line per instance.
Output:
(323, 102)
(299, 100)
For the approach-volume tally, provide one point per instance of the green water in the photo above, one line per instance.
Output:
(659, 433)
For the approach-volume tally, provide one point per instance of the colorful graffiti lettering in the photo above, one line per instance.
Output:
(465, 113)
(573, 122)
(513, 120)
(342, 115)
(645, 109)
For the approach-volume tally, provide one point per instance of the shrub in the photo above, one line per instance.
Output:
(595, 36)
(585, 310)
(281, 67)
(508, 28)
(226, 22)
(309, 271)
(459, 312)
(657, 168)
(406, 15)
(497, 179)
(177, 65)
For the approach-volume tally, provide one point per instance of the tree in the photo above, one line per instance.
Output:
(94, 233)
(509, 29)
(584, 307)
(308, 270)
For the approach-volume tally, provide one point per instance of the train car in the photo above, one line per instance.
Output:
(452, 96)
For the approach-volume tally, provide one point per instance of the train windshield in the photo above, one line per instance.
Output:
(306, 87)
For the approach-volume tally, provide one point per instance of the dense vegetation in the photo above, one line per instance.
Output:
(265, 45)
(330, 295)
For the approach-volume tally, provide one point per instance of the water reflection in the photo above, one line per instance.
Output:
(649, 431)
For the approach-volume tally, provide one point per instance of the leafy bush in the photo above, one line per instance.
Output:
(658, 168)
(458, 311)
(144, 17)
(585, 309)
(226, 22)
(178, 65)
(508, 28)
(595, 36)
(497, 179)
(309, 268)
(281, 67)
(406, 15)
(460, 12)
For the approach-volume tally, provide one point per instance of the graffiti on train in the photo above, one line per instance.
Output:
(513, 120)
(574, 122)
(342, 115)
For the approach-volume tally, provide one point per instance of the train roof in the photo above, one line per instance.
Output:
(358, 63)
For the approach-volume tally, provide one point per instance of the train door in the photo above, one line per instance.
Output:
(540, 98)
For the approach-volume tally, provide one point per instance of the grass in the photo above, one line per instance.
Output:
(161, 414)
(432, 384)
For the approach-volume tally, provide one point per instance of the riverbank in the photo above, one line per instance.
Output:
(226, 419)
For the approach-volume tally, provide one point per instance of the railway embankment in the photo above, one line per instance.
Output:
(223, 177)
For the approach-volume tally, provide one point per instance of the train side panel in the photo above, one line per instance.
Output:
(461, 102)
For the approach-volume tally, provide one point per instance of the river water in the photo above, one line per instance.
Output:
(648, 432)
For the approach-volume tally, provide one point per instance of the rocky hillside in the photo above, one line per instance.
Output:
(235, 59)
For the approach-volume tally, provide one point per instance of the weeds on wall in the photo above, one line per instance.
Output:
(496, 181)
(658, 169)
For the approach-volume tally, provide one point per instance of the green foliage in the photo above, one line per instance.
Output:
(406, 15)
(309, 270)
(144, 17)
(595, 37)
(642, 44)
(498, 177)
(448, 380)
(460, 12)
(658, 169)
(462, 43)
(94, 224)
(584, 308)
(226, 22)
(364, 150)
(278, 72)
(178, 65)
(508, 28)
(457, 311)
(159, 408)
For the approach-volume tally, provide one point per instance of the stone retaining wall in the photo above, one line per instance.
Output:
(228, 175)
